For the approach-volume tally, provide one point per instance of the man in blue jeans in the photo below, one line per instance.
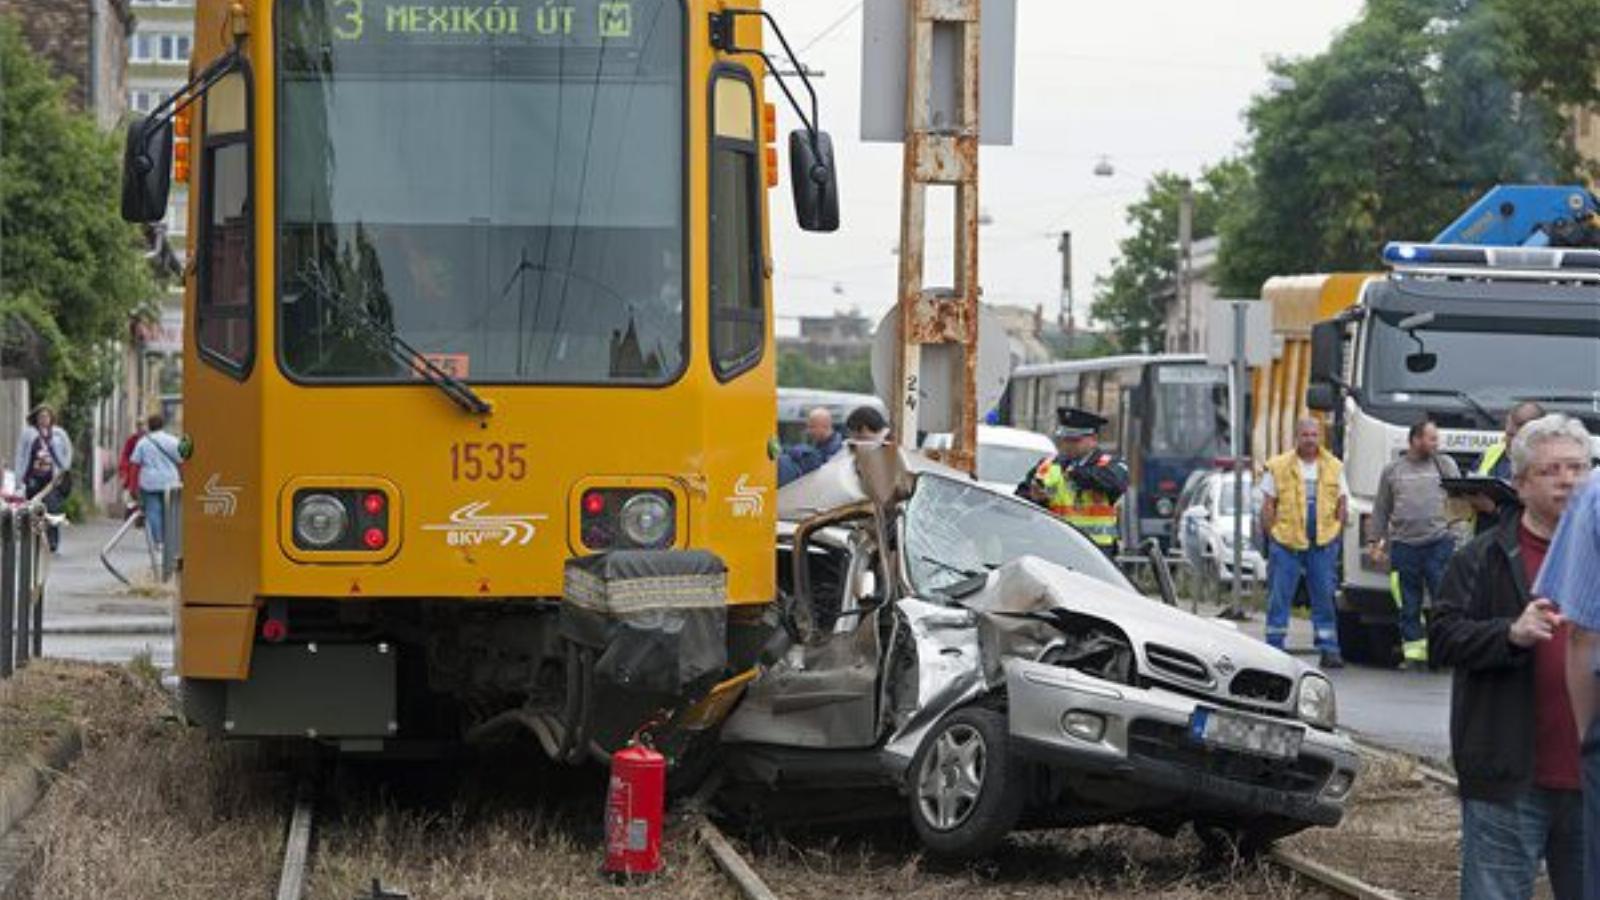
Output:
(1571, 578)
(1305, 496)
(1512, 735)
(1410, 526)
(157, 457)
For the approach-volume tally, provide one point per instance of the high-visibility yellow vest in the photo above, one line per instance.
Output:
(1491, 458)
(1289, 527)
(1094, 513)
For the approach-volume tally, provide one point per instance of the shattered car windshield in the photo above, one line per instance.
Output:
(956, 530)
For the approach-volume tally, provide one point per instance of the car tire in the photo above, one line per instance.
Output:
(966, 788)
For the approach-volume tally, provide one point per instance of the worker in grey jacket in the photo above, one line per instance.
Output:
(1410, 527)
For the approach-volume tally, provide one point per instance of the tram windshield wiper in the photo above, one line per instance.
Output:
(384, 339)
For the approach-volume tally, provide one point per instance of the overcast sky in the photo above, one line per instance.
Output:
(1149, 84)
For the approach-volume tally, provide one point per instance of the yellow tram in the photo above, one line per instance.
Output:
(476, 287)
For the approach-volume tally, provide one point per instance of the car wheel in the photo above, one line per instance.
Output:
(966, 789)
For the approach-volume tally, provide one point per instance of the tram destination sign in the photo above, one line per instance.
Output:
(530, 24)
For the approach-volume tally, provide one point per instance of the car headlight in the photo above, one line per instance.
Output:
(1317, 706)
(647, 520)
(320, 520)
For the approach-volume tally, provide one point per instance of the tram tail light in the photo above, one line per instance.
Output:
(627, 519)
(273, 631)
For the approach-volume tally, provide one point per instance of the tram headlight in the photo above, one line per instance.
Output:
(320, 520)
(647, 520)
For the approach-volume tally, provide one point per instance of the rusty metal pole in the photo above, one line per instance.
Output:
(939, 156)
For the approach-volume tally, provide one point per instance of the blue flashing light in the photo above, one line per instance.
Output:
(1553, 259)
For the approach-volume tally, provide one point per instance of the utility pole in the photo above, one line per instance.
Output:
(1068, 323)
(1185, 247)
(944, 156)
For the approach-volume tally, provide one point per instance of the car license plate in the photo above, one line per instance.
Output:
(1215, 728)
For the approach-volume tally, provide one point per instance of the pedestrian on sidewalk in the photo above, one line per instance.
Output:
(1410, 526)
(1512, 734)
(157, 457)
(44, 463)
(1304, 500)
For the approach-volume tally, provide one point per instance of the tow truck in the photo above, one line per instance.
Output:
(1502, 306)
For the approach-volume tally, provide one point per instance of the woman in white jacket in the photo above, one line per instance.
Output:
(44, 464)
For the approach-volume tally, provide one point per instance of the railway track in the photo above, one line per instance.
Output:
(742, 872)
(297, 843)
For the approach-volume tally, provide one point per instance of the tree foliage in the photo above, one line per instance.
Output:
(1412, 112)
(1132, 301)
(71, 271)
(797, 370)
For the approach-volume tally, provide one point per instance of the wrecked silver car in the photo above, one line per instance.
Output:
(972, 660)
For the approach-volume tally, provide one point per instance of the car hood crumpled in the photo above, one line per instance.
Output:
(1014, 611)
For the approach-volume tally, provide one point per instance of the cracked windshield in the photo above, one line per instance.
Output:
(500, 186)
(957, 531)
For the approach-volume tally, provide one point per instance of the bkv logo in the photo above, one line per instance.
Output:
(468, 527)
(748, 501)
(218, 499)
(616, 19)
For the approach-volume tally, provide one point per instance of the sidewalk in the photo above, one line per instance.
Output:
(80, 594)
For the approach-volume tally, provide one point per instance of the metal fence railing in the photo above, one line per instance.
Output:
(165, 560)
(24, 563)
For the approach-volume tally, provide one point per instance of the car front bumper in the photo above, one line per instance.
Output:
(1146, 743)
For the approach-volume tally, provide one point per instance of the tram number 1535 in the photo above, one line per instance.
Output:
(488, 462)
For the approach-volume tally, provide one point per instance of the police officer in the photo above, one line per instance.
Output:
(1082, 483)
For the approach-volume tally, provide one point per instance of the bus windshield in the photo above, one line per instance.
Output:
(1561, 357)
(1190, 420)
(500, 184)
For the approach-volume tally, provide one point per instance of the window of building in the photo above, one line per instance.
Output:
(738, 300)
(161, 46)
(225, 308)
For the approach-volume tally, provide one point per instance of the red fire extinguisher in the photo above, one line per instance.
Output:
(634, 805)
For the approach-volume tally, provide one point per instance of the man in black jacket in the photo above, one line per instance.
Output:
(1512, 733)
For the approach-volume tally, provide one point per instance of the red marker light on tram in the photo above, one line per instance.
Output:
(374, 538)
(273, 631)
(594, 503)
(373, 503)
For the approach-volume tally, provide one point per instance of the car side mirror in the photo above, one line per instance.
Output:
(146, 170)
(1322, 396)
(815, 180)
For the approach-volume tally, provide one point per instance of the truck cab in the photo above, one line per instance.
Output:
(1457, 335)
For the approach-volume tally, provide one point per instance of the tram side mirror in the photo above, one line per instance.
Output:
(815, 180)
(146, 171)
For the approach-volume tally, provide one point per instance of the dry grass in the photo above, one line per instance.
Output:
(151, 809)
(42, 701)
(1107, 861)
(1403, 832)
(457, 855)
(157, 810)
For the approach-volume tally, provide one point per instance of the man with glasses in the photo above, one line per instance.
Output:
(1512, 734)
